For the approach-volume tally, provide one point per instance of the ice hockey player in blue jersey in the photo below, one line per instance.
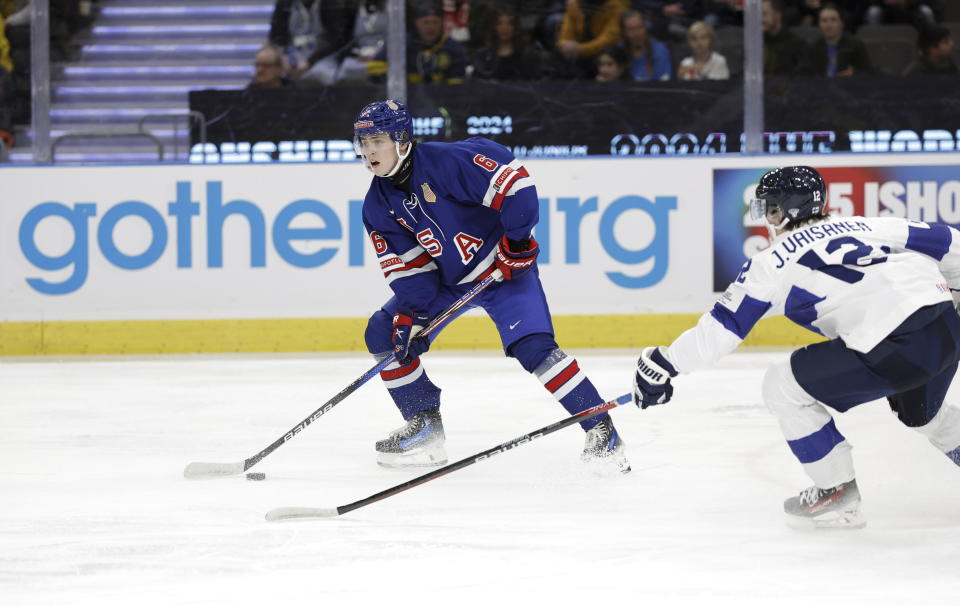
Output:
(442, 216)
(879, 289)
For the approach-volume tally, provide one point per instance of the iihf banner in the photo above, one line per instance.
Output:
(922, 193)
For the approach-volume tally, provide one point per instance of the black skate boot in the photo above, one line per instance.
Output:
(419, 443)
(604, 450)
(837, 507)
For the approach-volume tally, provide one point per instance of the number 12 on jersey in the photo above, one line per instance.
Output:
(862, 255)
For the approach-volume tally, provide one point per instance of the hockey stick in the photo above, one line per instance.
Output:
(199, 469)
(293, 513)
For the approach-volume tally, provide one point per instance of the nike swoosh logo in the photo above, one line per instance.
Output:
(514, 325)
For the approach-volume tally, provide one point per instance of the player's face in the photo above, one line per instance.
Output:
(380, 153)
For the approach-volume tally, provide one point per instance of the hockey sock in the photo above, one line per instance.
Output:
(410, 387)
(562, 377)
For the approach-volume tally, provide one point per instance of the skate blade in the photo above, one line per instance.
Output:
(843, 520)
(434, 457)
(606, 467)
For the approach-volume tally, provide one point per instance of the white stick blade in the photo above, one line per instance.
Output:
(199, 469)
(300, 513)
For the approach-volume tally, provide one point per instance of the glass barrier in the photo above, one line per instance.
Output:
(260, 81)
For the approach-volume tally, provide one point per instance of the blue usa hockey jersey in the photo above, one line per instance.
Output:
(464, 197)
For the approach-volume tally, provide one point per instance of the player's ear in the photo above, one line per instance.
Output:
(775, 215)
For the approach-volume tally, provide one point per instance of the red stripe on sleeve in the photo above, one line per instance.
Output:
(497, 201)
(418, 262)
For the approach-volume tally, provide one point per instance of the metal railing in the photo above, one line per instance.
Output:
(173, 118)
(106, 134)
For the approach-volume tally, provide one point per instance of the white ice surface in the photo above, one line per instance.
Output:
(94, 508)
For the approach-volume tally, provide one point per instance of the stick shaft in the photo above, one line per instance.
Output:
(435, 324)
(486, 454)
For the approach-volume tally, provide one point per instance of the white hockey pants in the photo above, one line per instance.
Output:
(801, 416)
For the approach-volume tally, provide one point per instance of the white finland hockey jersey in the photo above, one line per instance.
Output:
(852, 278)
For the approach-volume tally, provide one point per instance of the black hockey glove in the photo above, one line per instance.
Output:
(407, 346)
(651, 383)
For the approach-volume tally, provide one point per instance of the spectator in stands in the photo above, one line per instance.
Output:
(431, 55)
(508, 53)
(543, 18)
(369, 38)
(6, 109)
(532, 16)
(670, 18)
(935, 46)
(314, 34)
(588, 27)
(805, 12)
(16, 12)
(269, 69)
(5, 63)
(704, 63)
(613, 65)
(649, 58)
(782, 49)
(456, 16)
(836, 52)
(65, 20)
(724, 12)
(917, 12)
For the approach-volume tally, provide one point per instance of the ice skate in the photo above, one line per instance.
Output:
(603, 450)
(815, 508)
(419, 443)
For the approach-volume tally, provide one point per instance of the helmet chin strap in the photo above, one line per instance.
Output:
(400, 158)
(774, 229)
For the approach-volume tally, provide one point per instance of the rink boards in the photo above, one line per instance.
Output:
(210, 258)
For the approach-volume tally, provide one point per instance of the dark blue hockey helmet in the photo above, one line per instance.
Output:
(798, 192)
(384, 117)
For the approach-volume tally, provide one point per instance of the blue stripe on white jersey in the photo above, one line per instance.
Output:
(931, 240)
(800, 307)
(741, 321)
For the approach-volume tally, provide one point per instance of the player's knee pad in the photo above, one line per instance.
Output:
(781, 392)
(379, 332)
(533, 349)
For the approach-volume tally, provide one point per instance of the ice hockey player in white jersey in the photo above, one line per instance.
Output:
(879, 289)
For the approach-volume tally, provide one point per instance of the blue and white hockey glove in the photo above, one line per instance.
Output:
(651, 383)
(516, 257)
(407, 346)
